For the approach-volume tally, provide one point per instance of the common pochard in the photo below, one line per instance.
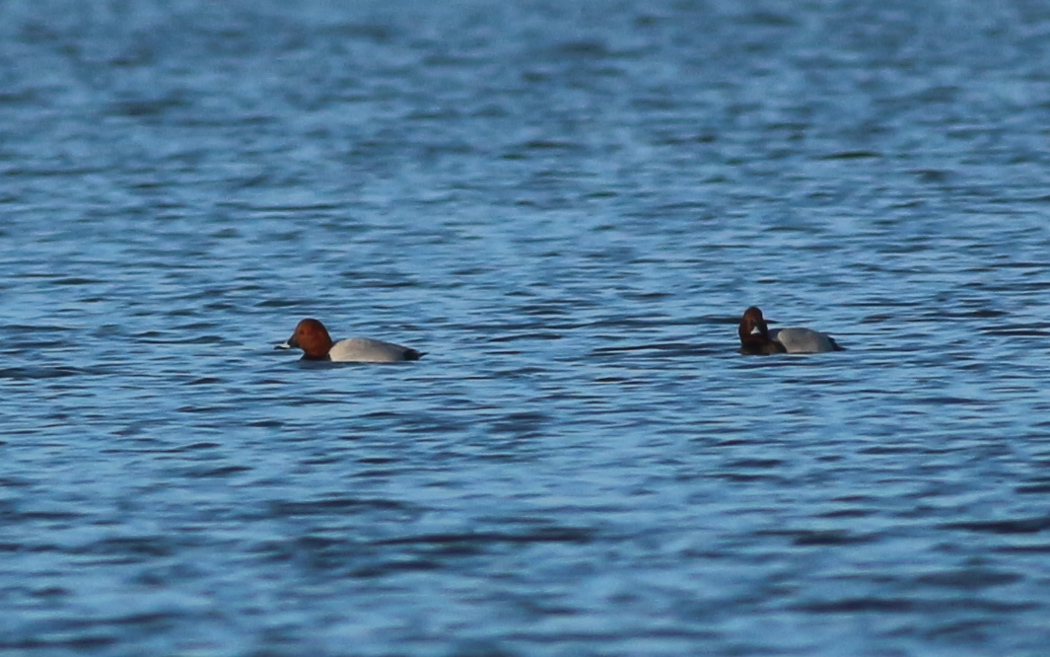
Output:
(312, 337)
(757, 338)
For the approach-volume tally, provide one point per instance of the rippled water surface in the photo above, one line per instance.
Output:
(567, 206)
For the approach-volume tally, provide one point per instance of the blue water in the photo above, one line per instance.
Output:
(567, 206)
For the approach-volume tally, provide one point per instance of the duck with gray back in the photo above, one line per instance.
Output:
(312, 337)
(757, 338)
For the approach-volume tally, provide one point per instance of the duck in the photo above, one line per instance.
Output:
(312, 337)
(757, 338)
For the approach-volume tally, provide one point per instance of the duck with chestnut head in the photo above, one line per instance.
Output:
(312, 337)
(757, 338)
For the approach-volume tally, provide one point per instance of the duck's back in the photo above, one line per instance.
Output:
(803, 340)
(367, 350)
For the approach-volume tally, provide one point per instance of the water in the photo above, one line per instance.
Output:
(568, 206)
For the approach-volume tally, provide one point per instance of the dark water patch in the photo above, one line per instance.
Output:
(392, 281)
(1030, 333)
(860, 604)
(50, 592)
(1034, 489)
(756, 463)
(455, 541)
(383, 415)
(521, 424)
(146, 108)
(14, 515)
(804, 538)
(9, 482)
(848, 513)
(878, 450)
(968, 579)
(205, 381)
(851, 155)
(378, 460)
(217, 472)
(267, 424)
(128, 549)
(51, 172)
(548, 145)
(216, 410)
(76, 280)
(944, 400)
(933, 176)
(336, 505)
(1019, 526)
(196, 447)
(57, 372)
(91, 640)
(1036, 548)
